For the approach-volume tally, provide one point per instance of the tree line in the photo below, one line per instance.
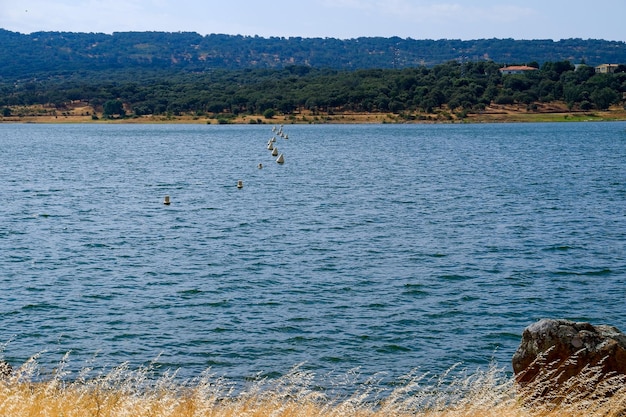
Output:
(41, 54)
(460, 87)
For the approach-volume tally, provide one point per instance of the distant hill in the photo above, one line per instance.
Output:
(43, 54)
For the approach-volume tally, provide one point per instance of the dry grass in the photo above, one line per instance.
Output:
(126, 392)
(79, 112)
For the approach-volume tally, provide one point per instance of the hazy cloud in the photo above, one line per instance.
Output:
(420, 19)
(420, 11)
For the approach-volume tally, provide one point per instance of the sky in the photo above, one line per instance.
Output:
(343, 19)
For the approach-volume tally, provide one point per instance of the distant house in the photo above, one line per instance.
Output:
(606, 68)
(517, 69)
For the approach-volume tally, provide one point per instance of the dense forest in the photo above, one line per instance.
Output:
(41, 54)
(154, 73)
(460, 87)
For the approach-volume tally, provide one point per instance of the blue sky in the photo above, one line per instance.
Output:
(345, 19)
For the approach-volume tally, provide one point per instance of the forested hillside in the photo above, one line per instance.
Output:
(42, 54)
(156, 73)
(458, 87)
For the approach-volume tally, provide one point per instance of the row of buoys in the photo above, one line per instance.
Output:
(270, 146)
(274, 149)
(280, 158)
(280, 132)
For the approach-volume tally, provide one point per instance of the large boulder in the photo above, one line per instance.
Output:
(560, 349)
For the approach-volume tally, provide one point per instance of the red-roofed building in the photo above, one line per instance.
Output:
(517, 69)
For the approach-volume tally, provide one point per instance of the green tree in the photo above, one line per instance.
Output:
(571, 94)
(269, 113)
(111, 108)
(555, 69)
(603, 98)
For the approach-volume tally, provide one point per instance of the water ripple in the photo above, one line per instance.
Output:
(439, 249)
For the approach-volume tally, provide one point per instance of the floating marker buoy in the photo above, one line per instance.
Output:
(275, 152)
(240, 184)
(166, 201)
(280, 159)
(270, 147)
(260, 166)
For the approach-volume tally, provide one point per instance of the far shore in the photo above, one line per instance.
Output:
(545, 112)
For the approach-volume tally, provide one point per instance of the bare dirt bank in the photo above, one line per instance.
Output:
(545, 112)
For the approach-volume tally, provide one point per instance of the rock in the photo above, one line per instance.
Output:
(5, 369)
(560, 349)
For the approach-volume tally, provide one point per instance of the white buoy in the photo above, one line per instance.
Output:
(280, 159)
(270, 147)
(275, 152)
(260, 166)
(166, 201)
(240, 184)
(286, 136)
(273, 139)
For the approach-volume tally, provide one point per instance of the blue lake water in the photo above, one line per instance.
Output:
(378, 247)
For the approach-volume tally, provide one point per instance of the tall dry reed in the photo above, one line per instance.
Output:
(123, 391)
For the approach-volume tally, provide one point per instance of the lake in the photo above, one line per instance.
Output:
(382, 248)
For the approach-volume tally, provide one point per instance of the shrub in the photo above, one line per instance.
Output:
(269, 113)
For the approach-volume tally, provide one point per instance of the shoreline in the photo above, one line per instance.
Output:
(545, 112)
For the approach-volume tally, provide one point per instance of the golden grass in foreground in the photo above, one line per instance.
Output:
(123, 392)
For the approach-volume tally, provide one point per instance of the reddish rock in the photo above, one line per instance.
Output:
(561, 349)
